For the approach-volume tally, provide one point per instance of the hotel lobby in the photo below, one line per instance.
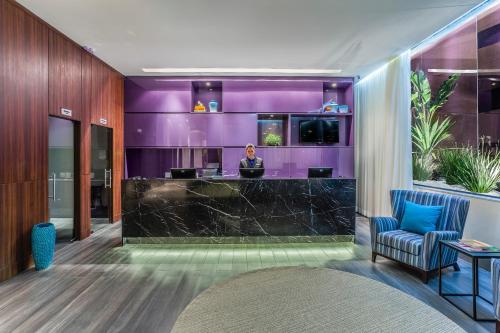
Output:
(258, 166)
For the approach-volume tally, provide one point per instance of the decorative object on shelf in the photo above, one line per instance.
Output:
(43, 241)
(343, 108)
(330, 106)
(199, 107)
(212, 105)
(272, 140)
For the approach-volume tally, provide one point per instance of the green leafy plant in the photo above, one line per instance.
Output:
(478, 170)
(449, 162)
(421, 170)
(272, 140)
(429, 130)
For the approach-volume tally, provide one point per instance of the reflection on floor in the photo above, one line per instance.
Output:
(97, 285)
(99, 223)
(64, 228)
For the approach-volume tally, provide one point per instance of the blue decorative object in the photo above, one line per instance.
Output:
(343, 108)
(212, 105)
(420, 219)
(43, 241)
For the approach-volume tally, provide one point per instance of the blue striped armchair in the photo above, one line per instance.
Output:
(419, 251)
(495, 279)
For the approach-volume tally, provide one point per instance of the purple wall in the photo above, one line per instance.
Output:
(173, 130)
(158, 96)
(272, 96)
(159, 121)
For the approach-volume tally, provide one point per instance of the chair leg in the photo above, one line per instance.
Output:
(498, 326)
(456, 267)
(425, 276)
(374, 256)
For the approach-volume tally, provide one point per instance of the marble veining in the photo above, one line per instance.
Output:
(215, 208)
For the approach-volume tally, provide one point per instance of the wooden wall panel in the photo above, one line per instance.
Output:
(83, 229)
(85, 134)
(118, 140)
(102, 100)
(41, 71)
(23, 95)
(23, 133)
(65, 76)
(21, 206)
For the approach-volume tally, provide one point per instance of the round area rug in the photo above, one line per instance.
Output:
(301, 299)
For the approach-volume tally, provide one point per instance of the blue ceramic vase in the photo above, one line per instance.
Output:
(212, 105)
(43, 242)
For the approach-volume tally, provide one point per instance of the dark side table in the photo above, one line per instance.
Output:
(475, 256)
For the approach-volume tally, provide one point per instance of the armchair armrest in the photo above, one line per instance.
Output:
(430, 249)
(381, 224)
(495, 281)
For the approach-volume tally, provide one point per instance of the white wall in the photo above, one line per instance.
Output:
(483, 220)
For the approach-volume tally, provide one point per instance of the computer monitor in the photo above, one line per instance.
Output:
(251, 172)
(319, 172)
(181, 173)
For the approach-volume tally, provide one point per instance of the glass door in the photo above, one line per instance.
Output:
(61, 177)
(101, 177)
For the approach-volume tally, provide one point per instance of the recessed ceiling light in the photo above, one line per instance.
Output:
(207, 84)
(238, 70)
(334, 85)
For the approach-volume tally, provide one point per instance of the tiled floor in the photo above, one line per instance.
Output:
(98, 286)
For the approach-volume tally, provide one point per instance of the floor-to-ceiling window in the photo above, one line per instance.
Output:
(456, 107)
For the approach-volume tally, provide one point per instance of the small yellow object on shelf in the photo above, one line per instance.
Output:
(199, 107)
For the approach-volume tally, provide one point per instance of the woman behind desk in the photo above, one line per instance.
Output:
(251, 161)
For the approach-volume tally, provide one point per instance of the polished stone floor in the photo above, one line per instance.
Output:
(96, 285)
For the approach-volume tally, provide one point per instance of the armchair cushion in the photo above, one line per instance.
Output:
(420, 219)
(402, 240)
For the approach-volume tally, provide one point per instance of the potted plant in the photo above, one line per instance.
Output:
(272, 140)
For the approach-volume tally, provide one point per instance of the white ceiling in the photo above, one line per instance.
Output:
(356, 36)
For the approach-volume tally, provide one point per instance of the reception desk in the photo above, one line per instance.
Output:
(238, 210)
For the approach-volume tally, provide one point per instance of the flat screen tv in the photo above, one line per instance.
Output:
(251, 172)
(319, 131)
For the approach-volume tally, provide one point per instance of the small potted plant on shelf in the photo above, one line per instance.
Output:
(272, 140)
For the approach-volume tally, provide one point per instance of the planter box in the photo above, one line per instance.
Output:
(483, 220)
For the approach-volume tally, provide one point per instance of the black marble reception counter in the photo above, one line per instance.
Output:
(238, 210)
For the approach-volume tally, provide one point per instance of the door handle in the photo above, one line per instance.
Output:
(53, 197)
(107, 178)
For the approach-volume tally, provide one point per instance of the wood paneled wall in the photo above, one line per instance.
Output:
(42, 71)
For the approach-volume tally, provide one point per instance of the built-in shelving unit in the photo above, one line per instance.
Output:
(265, 111)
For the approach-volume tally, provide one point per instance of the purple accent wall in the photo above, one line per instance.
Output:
(239, 129)
(272, 96)
(294, 161)
(159, 123)
(161, 96)
(173, 130)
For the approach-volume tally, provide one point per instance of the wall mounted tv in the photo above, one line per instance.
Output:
(319, 131)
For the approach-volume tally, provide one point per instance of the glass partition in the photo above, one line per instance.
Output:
(61, 177)
(456, 135)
